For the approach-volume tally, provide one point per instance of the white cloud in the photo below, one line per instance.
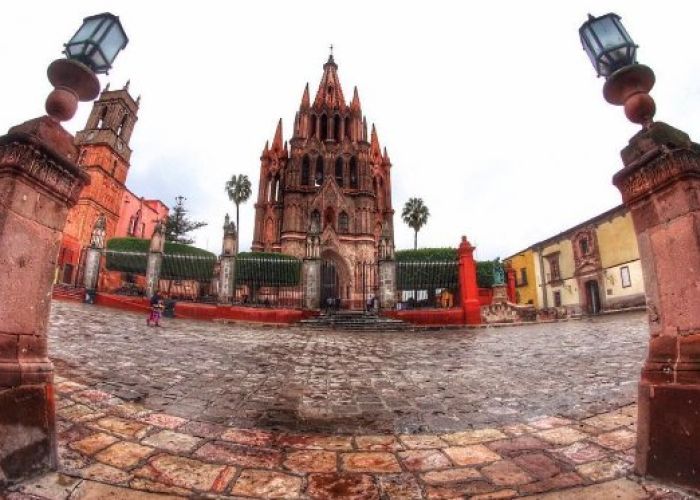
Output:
(490, 111)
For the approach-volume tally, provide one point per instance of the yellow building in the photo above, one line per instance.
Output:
(589, 268)
(526, 268)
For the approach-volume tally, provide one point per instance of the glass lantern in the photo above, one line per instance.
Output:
(97, 42)
(607, 44)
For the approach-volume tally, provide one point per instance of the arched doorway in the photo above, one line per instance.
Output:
(335, 278)
(592, 297)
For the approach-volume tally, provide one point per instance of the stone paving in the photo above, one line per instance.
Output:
(111, 448)
(291, 380)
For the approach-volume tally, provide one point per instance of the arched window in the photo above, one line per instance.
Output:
(312, 124)
(103, 115)
(305, 167)
(324, 127)
(353, 172)
(278, 191)
(339, 171)
(348, 131)
(315, 221)
(336, 127)
(122, 125)
(343, 223)
(329, 217)
(269, 189)
(318, 176)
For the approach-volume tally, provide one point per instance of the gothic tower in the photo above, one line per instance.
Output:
(333, 178)
(104, 156)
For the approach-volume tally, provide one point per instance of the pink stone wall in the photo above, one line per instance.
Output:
(138, 217)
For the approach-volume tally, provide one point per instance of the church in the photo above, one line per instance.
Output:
(331, 180)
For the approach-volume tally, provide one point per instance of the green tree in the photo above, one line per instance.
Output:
(415, 214)
(179, 224)
(238, 190)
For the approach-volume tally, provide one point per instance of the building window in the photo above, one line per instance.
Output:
(305, 166)
(523, 277)
(554, 274)
(353, 173)
(557, 298)
(583, 245)
(625, 277)
(339, 171)
(315, 221)
(336, 128)
(318, 176)
(343, 223)
(324, 127)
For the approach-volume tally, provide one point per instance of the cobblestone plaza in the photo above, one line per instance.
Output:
(289, 379)
(207, 410)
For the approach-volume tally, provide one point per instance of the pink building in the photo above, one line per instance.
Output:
(138, 216)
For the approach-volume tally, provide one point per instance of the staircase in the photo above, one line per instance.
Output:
(354, 321)
(68, 292)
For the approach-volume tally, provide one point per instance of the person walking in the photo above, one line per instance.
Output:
(156, 310)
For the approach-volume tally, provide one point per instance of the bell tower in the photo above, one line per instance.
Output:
(104, 154)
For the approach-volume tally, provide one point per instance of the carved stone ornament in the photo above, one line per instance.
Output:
(31, 161)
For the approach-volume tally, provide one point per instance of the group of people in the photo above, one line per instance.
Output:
(332, 304)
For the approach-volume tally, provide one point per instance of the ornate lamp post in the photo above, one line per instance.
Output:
(660, 185)
(40, 181)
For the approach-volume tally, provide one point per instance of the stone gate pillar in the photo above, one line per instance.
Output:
(387, 273)
(510, 280)
(660, 184)
(93, 256)
(227, 265)
(311, 272)
(468, 288)
(155, 259)
(39, 182)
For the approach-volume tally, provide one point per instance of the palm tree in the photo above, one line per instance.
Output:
(238, 190)
(415, 214)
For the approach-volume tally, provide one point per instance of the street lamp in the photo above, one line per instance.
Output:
(613, 54)
(91, 50)
(97, 42)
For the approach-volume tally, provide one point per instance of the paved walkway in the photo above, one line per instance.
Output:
(110, 448)
(288, 379)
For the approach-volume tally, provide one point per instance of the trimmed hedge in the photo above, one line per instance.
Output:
(422, 278)
(180, 262)
(426, 255)
(258, 269)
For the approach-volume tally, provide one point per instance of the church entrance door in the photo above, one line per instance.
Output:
(593, 297)
(330, 284)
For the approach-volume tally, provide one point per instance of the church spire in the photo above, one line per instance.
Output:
(330, 94)
(374, 144)
(277, 141)
(305, 99)
(355, 104)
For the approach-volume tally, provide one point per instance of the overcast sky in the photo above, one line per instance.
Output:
(490, 111)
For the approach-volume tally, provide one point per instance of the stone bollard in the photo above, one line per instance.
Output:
(468, 287)
(387, 272)
(311, 271)
(227, 266)
(93, 258)
(660, 184)
(155, 259)
(39, 182)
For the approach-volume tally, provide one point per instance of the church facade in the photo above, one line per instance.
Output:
(331, 180)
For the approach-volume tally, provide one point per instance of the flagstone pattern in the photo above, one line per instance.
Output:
(105, 454)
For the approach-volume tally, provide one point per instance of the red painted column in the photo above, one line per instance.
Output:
(468, 287)
(510, 280)
(39, 181)
(660, 184)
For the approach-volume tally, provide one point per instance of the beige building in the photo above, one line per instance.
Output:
(587, 269)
